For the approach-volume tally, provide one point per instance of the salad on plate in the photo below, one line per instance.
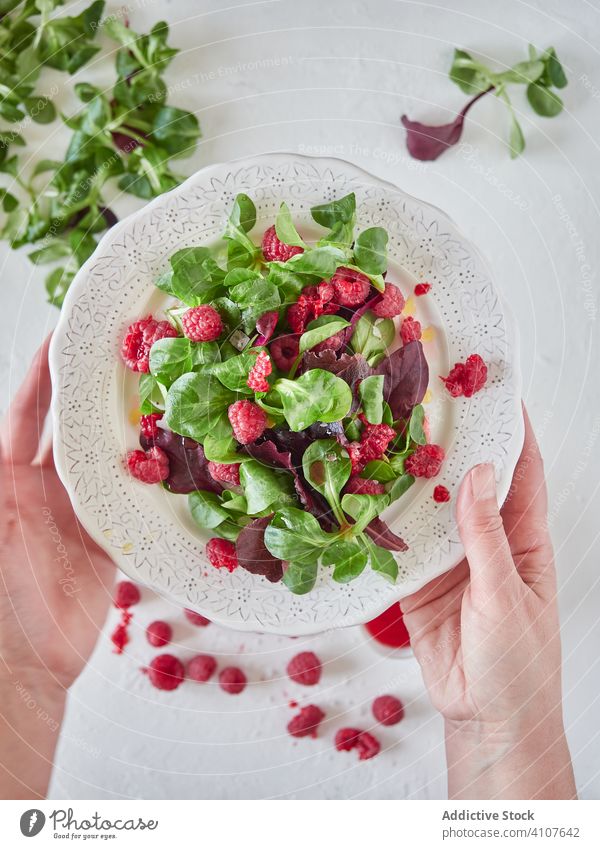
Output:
(282, 392)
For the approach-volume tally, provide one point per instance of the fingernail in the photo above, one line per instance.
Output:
(483, 482)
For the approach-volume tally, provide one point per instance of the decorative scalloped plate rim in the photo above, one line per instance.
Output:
(167, 559)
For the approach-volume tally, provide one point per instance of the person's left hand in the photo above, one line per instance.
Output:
(55, 586)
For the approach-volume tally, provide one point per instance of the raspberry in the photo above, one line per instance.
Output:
(466, 378)
(166, 672)
(275, 250)
(232, 680)
(426, 461)
(201, 667)
(285, 350)
(148, 425)
(305, 668)
(422, 288)
(321, 299)
(247, 420)
(367, 745)
(257, 379)
(346, 739)
(299, 314)
(126, 595)
(140, 337)
(222, 554)
(410, 330)
(225, 472)
(441, 494)
(351, 287)
(151, 466)
(391, 303)
(202, 324)
(306, 723)
(360, 486)
(388, 710)
(196, 618)
(373, 444)
(120, 637)
(159, 633)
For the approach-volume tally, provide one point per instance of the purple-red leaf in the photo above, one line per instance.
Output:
(266, 325)
(252, 553)
(427, 142)
(188, 467)
(406, 375)
(383, 536)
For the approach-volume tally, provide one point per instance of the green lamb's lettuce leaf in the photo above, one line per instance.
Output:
(316, 396)
(348, 559)
(195, 404)
(370, 391)
(285, 228)
(370, 250)
(320, 329)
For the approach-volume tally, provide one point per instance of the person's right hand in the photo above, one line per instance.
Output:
(487, 636)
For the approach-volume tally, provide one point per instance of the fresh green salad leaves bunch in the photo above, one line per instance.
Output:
(128, 135)
(277, 399)
(542, 73)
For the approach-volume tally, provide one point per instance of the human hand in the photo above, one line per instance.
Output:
(54, 592)
(487, 637)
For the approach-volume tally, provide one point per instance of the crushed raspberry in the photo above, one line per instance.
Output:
(196, 618)
(248, 421)
(225, 472)
(257, 379)
(274, 250)
(321, 299)
(305, 668)
(367, 745)
(285, 350)
(201, 668)
(422, 288)
(120, 636)
(140, 337)
(126, 595)
(360, 486)
(373, 444)
(441, 494)
(148, 425)
(426, 461)
(166, 672)
(391, 303)
(347, 739)
(466, 378)
(306, 723)
(202, 324)
(159, 633)
(222, 554)
(351, 287)
(388, 710)
(410, 330)
(232, 680)
(299, 314)
(151, 466)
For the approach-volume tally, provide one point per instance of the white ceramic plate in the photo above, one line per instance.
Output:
(149, 531)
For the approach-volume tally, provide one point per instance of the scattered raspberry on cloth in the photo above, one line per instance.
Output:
(232, 680)
(388, 710)
(159, 633)
(201, 668)
(165, 672)
(196, 618)
(305, 668)
(306, 723)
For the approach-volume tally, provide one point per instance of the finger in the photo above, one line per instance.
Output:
(23, 424)
(525, 509)
(482, 532)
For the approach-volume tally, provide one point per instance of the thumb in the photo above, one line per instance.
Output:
(482, 533)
